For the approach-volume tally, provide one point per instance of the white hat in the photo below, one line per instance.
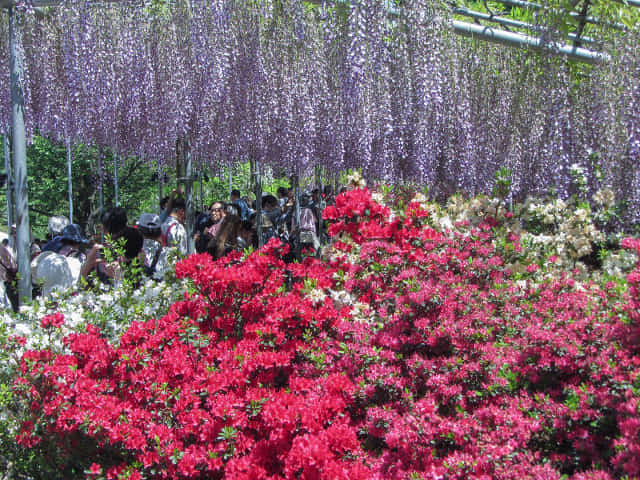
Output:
(57, 224)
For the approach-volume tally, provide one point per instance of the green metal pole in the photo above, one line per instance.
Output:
(9, 172)
(188, 190)
(19, 144)
(69, 180)
(258, 204)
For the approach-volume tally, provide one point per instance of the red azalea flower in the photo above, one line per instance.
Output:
(55, 320)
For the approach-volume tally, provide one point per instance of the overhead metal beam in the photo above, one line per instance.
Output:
(592, 20)
(519, 40)
(508, 22)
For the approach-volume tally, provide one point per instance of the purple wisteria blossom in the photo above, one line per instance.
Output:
(341, 85)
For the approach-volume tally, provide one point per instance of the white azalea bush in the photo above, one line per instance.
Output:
(559, 235)
(110, 311)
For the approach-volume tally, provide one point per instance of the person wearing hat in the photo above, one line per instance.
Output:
(60, 270)
(155, 255)
(73, 243)
(57, 224)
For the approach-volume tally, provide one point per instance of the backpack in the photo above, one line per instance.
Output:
(149, 270)
(307, 220)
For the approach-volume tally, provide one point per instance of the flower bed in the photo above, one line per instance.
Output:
(410, 351)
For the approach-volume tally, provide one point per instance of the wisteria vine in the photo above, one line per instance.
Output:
(297, 84)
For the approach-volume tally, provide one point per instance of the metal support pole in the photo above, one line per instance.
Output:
(115, 177)
(519, 40)
(258, 204)
(188, 189)
(508, 22)
(320, 206)
(230, 179)
(159, 186)
(296, 190)
(19, 147)
(69, 179)
(9, 172)
(201, 195)
(100, 184)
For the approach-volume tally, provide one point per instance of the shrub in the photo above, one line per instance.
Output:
(410, 352)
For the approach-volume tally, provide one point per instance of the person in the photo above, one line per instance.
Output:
(308, 223)
(247, 235)
(164, 210)
(240, 203)
(155, 255)
(114, 272)
(271, 208)
(166, 204)
(73, 243)
(8, 272)
(174, 235)
(232, 209)
(56, 225)
(315, 197)
(228, 237)
(203, 222)
(327, 195)
(270, 216)
(114, 221)
(218, 213)
(283, 196)
(316, 205)
(60, 270)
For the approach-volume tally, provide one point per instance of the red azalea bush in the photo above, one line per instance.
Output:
(406, 354)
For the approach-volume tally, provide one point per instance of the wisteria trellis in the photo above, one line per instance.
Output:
(338, 84)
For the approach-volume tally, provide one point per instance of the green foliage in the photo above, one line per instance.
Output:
(137, 184)
(502, 183)
(48, 191)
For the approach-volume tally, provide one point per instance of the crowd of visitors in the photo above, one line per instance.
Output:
(150, 246)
